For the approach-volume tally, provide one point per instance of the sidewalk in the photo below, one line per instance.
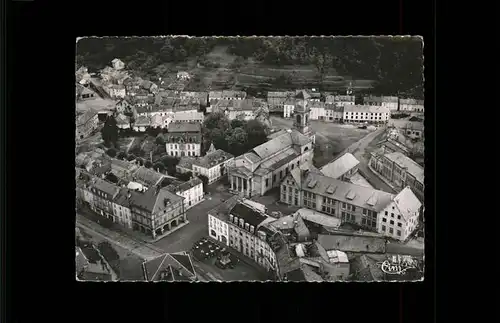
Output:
(136, 247)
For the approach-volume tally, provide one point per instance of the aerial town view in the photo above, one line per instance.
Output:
(278, 159)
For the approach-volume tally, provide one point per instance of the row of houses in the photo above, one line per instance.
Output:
(140, 200)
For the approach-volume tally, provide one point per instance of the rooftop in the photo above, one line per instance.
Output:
(209, 160)
(154, 199)
(366, 108)
(147, 176)
(411, 166)
(170, 267)
(248, 214)
(407, 203)
(280, 142)
(360, 196)
(184, 186)
(352, 243)
(319, 218)
(186, 162)
(105, 186)
(184, 127)
(340, 166)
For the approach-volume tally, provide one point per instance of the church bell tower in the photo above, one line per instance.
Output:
(301, 115)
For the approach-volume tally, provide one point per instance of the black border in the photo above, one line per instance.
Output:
(42, 69)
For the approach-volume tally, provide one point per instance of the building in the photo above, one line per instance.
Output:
(341, 168)
(200, 97)
(288, 107)
(366, 113)
(240, 226)
(142, 123)
(411, 105)
(91, 265)
(242, 109)
(276, 100)
(121, 207)
(85, 93)
(170, 267)
(183, 76)
(413, 129)
(183, 139)
(265, 166)
(400, 171)
(156, 210)
(122, 121)
(340, 100)
(191, 191)
(104, 193)
(390, 102)
(213, 165)
(86, 124)
(215, 96)
(147, 177)
(318, 111)
(351, 203)
(115, 90)
(188, 116)
(118, 64)
(123, 106)
(400, 217)
(334, 112)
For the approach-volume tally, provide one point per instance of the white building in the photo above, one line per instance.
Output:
(340, 100)
(317, 110)
(334, 112)
(390, 102)
(241, 109)
(366, 113)
(183, 139)
(116, 91)
(188, 116)
(288, 108)
(118, 64)
(191, 191)
(183, 76)
(411, 105)
(400, 217)
(212, 165)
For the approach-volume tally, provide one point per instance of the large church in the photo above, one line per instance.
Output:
(265, 166)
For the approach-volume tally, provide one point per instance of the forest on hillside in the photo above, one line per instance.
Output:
(395, 63)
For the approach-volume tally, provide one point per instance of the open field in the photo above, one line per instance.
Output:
(331, 138)
(97, 104)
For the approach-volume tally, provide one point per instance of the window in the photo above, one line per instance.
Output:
(267, 182)
(386, 213)
(383, 228)
(343, 205)
(399, 224)
(281, 174)
(392, 222)
(392, 215)
(399, 233)
(364, 211)
(353, 208)
(399, 217)
(384, 219)
(274, 178)
(391, 230)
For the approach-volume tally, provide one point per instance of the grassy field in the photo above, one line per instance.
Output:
(331, 138)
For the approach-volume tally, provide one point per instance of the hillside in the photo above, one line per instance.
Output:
(391, 65)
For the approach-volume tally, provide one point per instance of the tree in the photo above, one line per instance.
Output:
(184, 176)
(236, 123)
(131, 157)
(140, 161)
(121, 155)
(256, 132)
(159, 167)
(111, 152)
(237, 141)
(159, 139)
(109, 132)
(148, 164)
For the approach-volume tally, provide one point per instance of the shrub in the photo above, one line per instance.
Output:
(131, 157)
(148, 164)
(111, 152)
(121, 155)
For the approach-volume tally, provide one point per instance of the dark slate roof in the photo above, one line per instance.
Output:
(179, 266)
(153, 199)
(184, 127)
(296, 275)
(248, 214)
(185, 261)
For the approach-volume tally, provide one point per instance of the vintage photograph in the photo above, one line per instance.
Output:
(266, 159)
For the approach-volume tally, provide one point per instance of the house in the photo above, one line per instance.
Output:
(241, 227)
(411, 105)
(241, 109)
(317, 110)
(115, 90)
(122, 121)
(188, 116)
(147, 177)
(340, 100)
(276, 100)
(121, 207)
(86, 124)
(183, 76)
(156, 211)
(123, 106)
(334, 112)
(414, 130)
(213, 165)
(91, 266)
(399, 171)
(265, 166)
(104, 193)
(118, 64)
(85, 93)
(366, 113)
(170, 267)
(293, 228)
(391, 145)
(301, 97)
(215, 96)
(122, 169)
(191, 191)
(200, 97)
(390, 102)
(341, 168)
(160, 122)
(142, 123)
(183, 139)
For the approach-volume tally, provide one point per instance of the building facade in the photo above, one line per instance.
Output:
(121, 207)
(400, 171)
(183, 139)
(191, 191)
(411, 105)
(265, 166)
(86, 124)
(366, 113)
(213, 165)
